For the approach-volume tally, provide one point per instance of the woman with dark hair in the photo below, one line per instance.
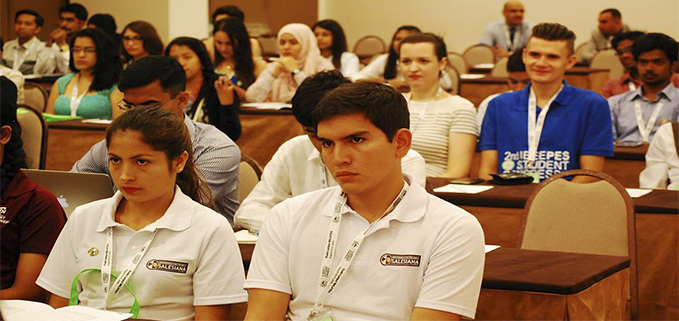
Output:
(212, 99)
(105, 22)
(385, 67)
(333, 46)
(154, 248)
(90, 90)
(31, 216)
(140, 39)
(233, 54)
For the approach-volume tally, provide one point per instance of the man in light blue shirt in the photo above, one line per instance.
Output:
(510, 34)
(637, 114)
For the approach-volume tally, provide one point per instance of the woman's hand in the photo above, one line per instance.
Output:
(224, 88)
(289, 64)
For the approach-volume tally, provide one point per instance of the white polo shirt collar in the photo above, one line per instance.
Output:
(176, 218)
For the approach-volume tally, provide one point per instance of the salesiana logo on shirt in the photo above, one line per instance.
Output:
(547, 163)
(167, 266)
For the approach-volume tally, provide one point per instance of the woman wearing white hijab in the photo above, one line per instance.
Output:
(299, 58)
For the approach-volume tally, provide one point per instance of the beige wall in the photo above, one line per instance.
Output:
(461, 22)
(156, 12)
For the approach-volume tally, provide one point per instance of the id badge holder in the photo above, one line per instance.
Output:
(325, 315)
(535, 176)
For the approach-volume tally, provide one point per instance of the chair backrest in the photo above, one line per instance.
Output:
(500, 68)
(454, 76)
(369, 46)
(592, 218)
(456, 60)
(479, 54)
(268, 45)
(35, 96)
(33, 135)
(249, 173)
(579, 49)
(607, 59)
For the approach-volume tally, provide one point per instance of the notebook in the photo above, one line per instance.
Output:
(72, 189)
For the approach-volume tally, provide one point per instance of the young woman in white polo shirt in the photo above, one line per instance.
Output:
(168, 256)
(443, 125)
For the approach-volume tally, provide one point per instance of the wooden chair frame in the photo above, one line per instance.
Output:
(43, 144)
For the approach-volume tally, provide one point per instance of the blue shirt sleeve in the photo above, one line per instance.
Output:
(598, 133)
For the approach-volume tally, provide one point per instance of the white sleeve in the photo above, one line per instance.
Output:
(481, 110)
(60, 268)
(452, 280)
(46, 61)
(655, 175)
(18, 79)
(350, 64)
(259, 91)
(374, 69)
(273, 188)
(269, 266)
(413, 164)
(219, 276)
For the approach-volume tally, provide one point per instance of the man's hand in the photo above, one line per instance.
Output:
(501, 52)
(58, 36)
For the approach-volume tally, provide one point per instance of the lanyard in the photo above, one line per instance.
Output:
(645, 129)
(125, 274)
(73, 299)
(20, 61)
(424, 111)
(535, 126)
(510, 42)
(631, 85)
(326, 284)
(324, 176)
(75, 99)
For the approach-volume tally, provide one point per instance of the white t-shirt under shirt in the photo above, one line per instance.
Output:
(197, 256)
(444, 245)
(431, 133)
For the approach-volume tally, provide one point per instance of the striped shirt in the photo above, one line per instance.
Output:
(432, 126)
(215, 155)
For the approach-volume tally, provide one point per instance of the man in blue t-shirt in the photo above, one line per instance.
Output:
(550, 126)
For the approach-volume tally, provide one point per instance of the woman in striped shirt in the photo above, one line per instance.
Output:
(444, 126)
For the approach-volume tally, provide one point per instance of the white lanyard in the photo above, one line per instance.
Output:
(20, 61)
(125, 274)
(323, 176)
(424, 111)
(326, 284)
(535, 126)
(510, 42)
(75, 99)
(631, 85)
(645, 129)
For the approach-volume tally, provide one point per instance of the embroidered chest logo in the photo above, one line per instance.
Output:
(388, 259)
(167, 266)
(3, 219)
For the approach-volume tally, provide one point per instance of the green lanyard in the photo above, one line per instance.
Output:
(73, 300)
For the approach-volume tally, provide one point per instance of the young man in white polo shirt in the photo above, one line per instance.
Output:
(374, 247)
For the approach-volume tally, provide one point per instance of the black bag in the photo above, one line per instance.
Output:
(511, 179)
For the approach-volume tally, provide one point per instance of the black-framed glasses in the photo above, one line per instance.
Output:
(125, 105)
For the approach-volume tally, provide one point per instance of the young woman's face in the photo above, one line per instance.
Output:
(288, 46)
(134, 44)
(188, 59)
(141, 173)
(324, 38)
(223, 44)
(396, 42)
(84, 53)
(419, 64)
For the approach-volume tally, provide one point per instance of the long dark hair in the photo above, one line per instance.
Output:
(14, 155)
(206, 69)
(165, 132)
(107, 70)
(152, 43)
(240, 40)
(339, 41)
(392, 59)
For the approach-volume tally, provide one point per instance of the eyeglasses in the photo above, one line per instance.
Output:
(124, 105)
(133, 39)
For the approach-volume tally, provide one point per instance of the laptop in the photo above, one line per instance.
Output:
(72, 189)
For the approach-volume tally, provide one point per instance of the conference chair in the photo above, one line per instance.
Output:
(500, 68)
(590, 218)
(35, 96)
(454, 76)
(607, 59)
(33, 135)
(456, 60)
(579, 49)
(479, 54)
(268, 45)
(249, 173)
(368, 47)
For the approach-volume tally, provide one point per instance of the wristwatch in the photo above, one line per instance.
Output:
(295, 72)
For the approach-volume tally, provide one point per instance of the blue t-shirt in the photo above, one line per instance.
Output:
(578, 123)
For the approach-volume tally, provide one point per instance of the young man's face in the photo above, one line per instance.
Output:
(624, 52)
(546, 61)
(358, 154)
(25, 26)
(654, 67)
(70, 23)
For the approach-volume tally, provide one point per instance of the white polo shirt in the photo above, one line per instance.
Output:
(447, 242)
(198, 260)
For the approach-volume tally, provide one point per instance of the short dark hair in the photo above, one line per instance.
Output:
(630, 35)
(614, 12)
(104, 22)
(152, 43)
(383, 105)
(652, 41)
(555, 32)
(108, 66)
(311, 91)
(77, 9)
(39, 20)
(146, 70)
(515, 62)
(231, 11)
